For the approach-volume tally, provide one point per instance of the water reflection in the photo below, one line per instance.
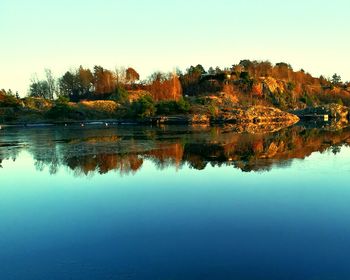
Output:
(124, 149)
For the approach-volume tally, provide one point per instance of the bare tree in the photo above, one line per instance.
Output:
(51, 82)
(120, 74)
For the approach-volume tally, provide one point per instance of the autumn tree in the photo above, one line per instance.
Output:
(323, 81)
(247, 65)
(176, 88)
(9, 92)
(2, 94)
(76, 84)
(282, 71)
(104, 82)
(8, 99)
(131, 75)
(263, 69)
(165, 86)
(255, 68)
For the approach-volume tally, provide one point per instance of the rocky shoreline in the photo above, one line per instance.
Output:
(253, 115)
(251, 119)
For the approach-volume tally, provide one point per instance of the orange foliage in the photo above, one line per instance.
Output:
(165, 88)
(103, 163)
(104, 80)
(2, 95)
(258, 146)
(131, 75)
(257, 89)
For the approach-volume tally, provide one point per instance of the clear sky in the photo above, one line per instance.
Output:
(154, 35)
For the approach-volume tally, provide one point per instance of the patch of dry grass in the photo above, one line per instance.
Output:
(106, 106)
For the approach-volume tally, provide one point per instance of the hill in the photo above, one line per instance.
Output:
(85, 94)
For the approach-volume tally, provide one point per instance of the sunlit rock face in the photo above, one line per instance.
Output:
(273, 85)
(252, 119)
(259, 115)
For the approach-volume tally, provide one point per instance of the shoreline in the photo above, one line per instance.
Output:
(254, 115)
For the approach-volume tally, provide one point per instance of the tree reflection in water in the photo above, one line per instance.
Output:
(125, 149)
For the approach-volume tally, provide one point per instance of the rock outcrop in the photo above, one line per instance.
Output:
(273, 85)
(254, 119)
(256, 115)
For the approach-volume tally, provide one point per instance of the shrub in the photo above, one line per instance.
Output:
(59, 111)
(62, 110)
(166, 107)
(173, 107)
(183, 105)
(120, 95)
(244, 76)
(8, 101)
(327, 98)
(307, 100)
(7, 114)
(290, 86)
(143, 108)
(213, 110)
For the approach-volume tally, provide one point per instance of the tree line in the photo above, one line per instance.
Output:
(245, 77)
(101, 83)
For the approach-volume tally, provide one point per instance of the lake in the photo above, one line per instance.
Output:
(174, 202)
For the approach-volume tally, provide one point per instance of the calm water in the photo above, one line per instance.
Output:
(174, 203)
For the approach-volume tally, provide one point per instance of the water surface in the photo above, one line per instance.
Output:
(174, 202)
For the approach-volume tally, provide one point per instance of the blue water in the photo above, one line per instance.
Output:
(171, 221)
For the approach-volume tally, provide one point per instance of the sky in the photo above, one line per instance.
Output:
(152, 35)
